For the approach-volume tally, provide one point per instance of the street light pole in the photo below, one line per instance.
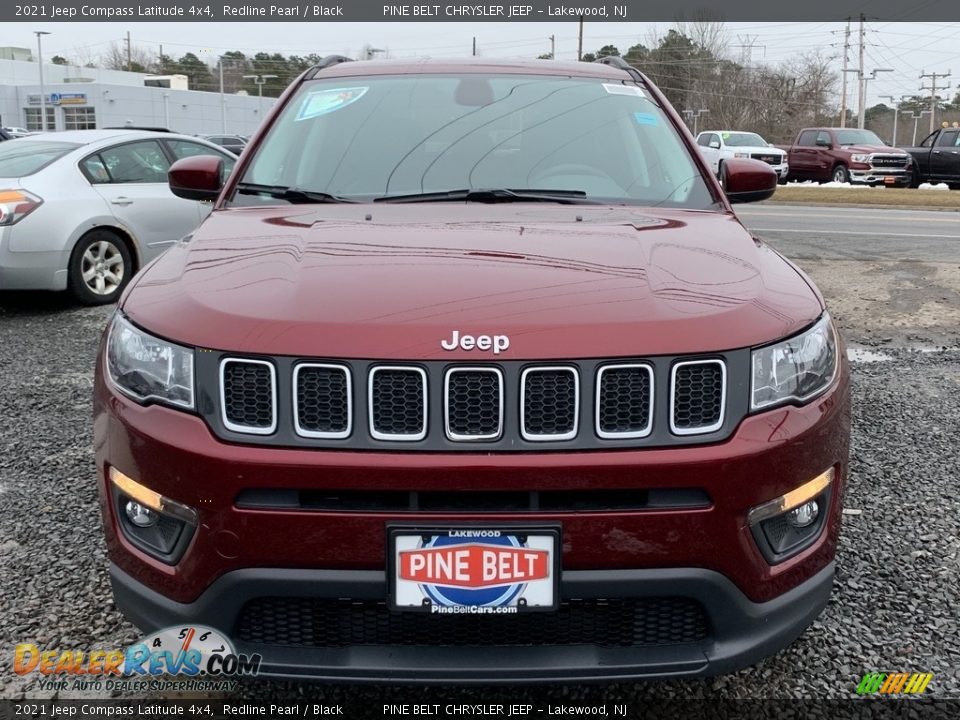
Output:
(896, 111)
(166, 110)
(260, 81)
(43, 99)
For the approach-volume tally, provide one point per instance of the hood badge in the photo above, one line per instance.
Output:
(497, 343)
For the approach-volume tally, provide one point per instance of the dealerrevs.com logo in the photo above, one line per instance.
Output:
(894, 683)
(186, 652)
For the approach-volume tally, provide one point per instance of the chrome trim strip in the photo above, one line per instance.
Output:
(702, 429)
(631, 433)
(296, 407)
(246, 429)
(446, 405)
(538, 437)
(376, 434)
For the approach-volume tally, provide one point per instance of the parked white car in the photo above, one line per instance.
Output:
(84, 210)
(720, 145)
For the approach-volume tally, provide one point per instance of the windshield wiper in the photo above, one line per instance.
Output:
(290, 194)
(492, 195)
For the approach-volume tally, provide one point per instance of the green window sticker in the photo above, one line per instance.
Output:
(322, 102)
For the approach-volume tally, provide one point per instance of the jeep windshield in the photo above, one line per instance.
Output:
(473, 138)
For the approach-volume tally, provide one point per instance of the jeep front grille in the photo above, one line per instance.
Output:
(500, 406)
(550, 405)
(324, 408)
(624, 401)
(248, 393)
(398, 403)
(697, 396)
(473, 403)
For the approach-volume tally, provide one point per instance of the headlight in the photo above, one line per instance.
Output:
(796, 369)
(860, 158)
(147, 368)
(741, 155)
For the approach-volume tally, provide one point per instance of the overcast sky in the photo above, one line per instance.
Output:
(908, 48)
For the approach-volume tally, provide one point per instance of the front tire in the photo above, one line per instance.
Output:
(100, 268)
(840, 174)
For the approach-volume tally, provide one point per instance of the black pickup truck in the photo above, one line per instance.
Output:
(937, 159)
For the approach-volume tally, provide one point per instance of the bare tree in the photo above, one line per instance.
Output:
(116, 58)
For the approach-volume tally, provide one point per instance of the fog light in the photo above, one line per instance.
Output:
(140, 515)
(804, 515)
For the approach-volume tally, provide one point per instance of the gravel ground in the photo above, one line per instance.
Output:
(894, 606)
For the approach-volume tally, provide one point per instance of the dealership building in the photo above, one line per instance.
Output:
(81, 98)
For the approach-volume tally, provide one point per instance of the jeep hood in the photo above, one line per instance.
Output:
(392, 281)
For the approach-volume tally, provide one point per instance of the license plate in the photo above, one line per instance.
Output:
(473, 570)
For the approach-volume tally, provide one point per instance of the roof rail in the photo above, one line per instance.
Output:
(328, 61)
(621, 64)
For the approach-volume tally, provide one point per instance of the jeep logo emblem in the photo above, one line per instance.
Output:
(497, 343)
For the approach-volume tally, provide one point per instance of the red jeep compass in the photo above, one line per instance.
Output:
(473, 357)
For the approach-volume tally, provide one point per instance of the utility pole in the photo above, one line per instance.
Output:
(863, 85)
(553, 47)
(129, 52)
(580, 40)
(933, 93)
(843, 92)
(223, 101)
(474, 46)
(746, 48)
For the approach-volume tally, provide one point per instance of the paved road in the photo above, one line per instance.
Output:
(843, 233)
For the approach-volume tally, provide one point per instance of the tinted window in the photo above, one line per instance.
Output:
(858, 137)
(744, 140)
(25, 157)
(823, 138)
(137, 162)
(366, 137)
(947, 139)
(703, 139)
(807, 138)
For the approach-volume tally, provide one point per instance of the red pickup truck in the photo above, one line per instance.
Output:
(846, 155)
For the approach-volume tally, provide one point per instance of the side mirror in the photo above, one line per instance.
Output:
(715, 144)
(824, 144)
(748, 180)
(197, 177)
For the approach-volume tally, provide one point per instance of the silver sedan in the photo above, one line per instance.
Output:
(84, 210)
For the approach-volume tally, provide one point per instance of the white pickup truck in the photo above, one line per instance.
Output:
(720, 145)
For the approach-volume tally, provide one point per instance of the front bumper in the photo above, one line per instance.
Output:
(741, 632)
(705, 554)
(873, 176)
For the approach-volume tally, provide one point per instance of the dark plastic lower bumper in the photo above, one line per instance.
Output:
(741, 632)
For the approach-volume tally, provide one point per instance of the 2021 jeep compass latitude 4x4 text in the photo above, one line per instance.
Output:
(474, 356)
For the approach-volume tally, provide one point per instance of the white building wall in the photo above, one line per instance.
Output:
(189, 111)
(18, 72)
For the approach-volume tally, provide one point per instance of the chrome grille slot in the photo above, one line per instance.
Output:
(697, 396)
(248, 396)
(624, 401)
(323, 403)
(398, 403)
(473, 403)
(549, 403)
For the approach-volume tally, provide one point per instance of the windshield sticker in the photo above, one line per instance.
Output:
(327, 101)
(643, 118)
(623, 90)
(725, 135)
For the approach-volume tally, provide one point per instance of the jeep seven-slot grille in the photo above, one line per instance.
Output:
(249, 395)
(474, 403)
(398, 399)
(506, 406)
(616, 622)
(625, 401)
(323, 404)
(698, 395)
(550, 403)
